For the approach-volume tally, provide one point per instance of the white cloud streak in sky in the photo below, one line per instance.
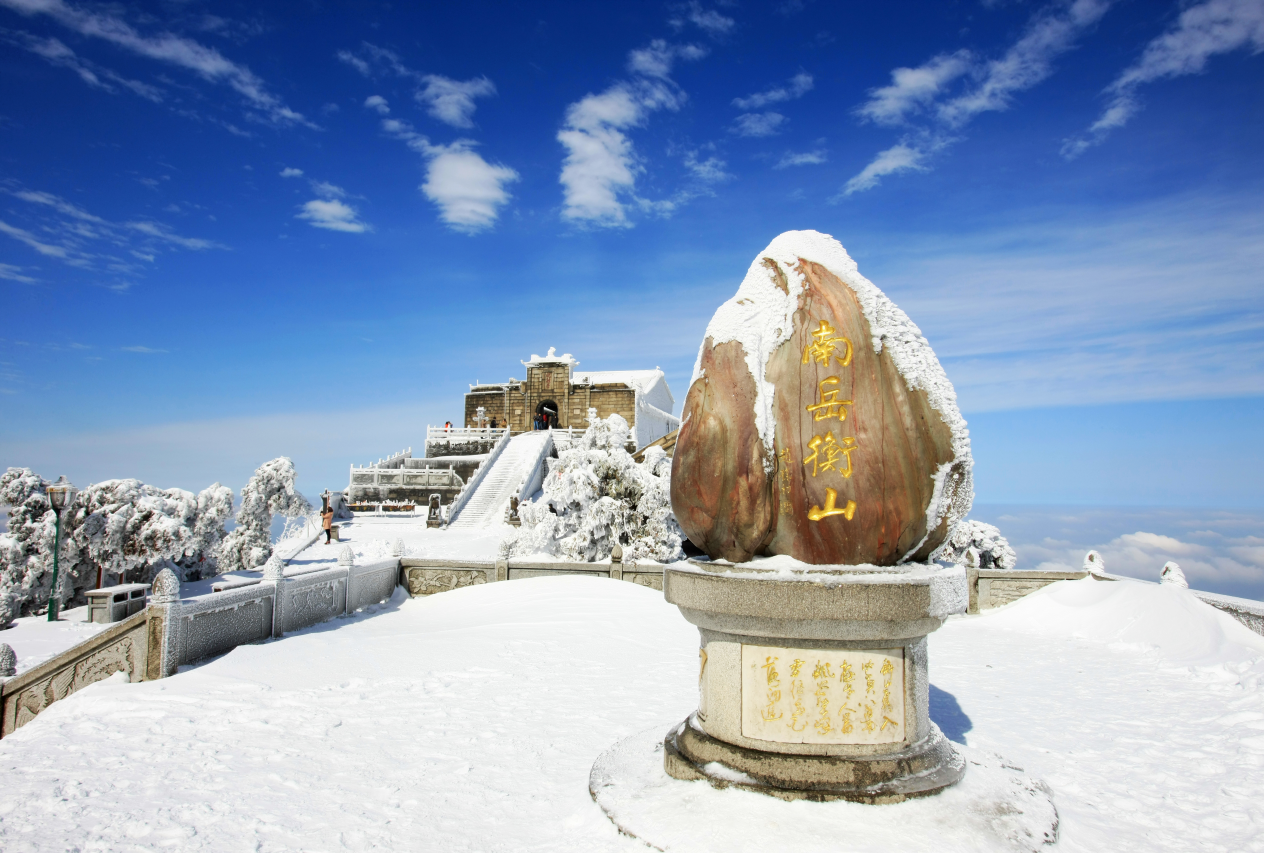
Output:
(378, 104)
(899, 158)
(709, 21)
(804, 158)
(912, 89)
(1201, 32)
(599, 171)
(452, 101)
(57, 53)
(168, 48)
(79, 238)
(799, 85)
(992, 86)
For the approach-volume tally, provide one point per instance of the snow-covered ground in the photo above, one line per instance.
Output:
(373, 536)
(470, 721)
(34, 639)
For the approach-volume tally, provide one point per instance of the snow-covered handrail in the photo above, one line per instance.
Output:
(467, 491)
(460, 433)
(536, 471)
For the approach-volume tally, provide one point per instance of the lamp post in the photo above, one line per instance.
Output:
(60, 495)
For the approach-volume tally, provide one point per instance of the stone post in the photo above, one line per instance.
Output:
(274, 573)
(502, 569)
(616, 562)
(346, 560)
(163, 626)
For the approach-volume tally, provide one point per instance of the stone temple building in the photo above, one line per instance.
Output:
(559, 396)
(554, 396)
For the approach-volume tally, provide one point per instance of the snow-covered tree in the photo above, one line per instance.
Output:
(974, 543)
(595, 496)
(132, 530)
(26, 548)
(270, 490)
(118, 526)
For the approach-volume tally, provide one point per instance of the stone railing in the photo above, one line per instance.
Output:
(172, 631)
(207, 625)
(425, 576)
(123, 647)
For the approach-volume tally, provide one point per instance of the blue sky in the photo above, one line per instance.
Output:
(235, 231)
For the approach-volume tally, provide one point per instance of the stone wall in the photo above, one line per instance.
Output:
(424, 576)
(549, 382)
(123, 647)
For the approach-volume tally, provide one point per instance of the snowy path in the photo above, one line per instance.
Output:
(34, 639)
(469, 721)
(491, 496)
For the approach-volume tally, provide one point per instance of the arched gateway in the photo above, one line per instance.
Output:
(554, 387)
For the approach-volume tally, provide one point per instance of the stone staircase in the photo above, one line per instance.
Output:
(491, 497)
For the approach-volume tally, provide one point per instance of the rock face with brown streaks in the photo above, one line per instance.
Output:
(819, 423)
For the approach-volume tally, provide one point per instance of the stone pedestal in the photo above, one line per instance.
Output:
(813, 680)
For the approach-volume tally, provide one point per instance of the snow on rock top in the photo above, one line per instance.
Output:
(760, 317)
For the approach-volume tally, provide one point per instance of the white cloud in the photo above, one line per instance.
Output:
(377, 102)
(57, 53)
(599, 172)
(78, 238)
(58, 204)
(9, 272)
(1028, 62)
(899, 158)
(658, 57)
(182, 52)
(806, 158)
(24, 236)
(164, 233)
(332, 215)
(290, 172)
(468, 190)
(452, 101)
(324, 189)
(355, 62)
(708, 171)
(912, 89)
(758, 124)
(709, 21)
(1201, 32)
(799, 85)
(143, 350)
(1050, 33)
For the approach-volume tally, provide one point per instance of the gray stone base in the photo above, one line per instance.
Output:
(923, 769)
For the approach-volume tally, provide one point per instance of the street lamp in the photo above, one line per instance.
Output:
(60, 495)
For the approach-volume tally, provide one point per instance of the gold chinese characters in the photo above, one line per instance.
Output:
(857, 695)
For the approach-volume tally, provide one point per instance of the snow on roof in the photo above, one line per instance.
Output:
(641, 380)
(552, 358)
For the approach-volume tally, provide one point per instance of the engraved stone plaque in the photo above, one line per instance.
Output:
(843, 696)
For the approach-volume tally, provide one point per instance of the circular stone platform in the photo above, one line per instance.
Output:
(995, 807)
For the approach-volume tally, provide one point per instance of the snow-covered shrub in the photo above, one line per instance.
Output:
(978, 545)
(1172, 575)
(117, 526)
(596, 496)
(270, 490)
(133, 530)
